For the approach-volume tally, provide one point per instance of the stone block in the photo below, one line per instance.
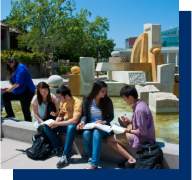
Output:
(87, 72)
(74, 84)
(129, 77)
(161, 87)
(55, 81)
(177, 78)
(136, 78)
(115, 59)
(23, 131)
(53, 91)
(166, 73)
(162, 102)
(143, 92)
(157, 59)
(113, 88)
(123, 66)
(176, 89)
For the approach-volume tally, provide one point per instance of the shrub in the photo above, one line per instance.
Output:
(22, 56)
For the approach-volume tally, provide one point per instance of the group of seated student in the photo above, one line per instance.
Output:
(96, 107)
(74, 114)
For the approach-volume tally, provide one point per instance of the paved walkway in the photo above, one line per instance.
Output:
(12, 159)
(6, 84)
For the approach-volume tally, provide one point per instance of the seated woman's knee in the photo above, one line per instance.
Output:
(87, 134)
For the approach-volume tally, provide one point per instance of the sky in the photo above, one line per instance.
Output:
(126, 17)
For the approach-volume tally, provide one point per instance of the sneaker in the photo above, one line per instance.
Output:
(125, 165)
(89, 160)
(9, 117)
(64, 161)
(57, 151)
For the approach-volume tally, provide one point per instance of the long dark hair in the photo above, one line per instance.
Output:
(12, 70)
(43, 85)
(94, 92)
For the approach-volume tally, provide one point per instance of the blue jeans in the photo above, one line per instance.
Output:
(97, 135)
(70, 136)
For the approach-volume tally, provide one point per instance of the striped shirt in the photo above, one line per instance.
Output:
(95, 112)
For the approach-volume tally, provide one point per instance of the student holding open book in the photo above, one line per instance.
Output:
(44, 105)
(97, 108)
(138, 130)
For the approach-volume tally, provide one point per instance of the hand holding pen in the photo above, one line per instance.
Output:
(125, 118)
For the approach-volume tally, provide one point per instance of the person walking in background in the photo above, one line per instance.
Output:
(70, 114)
(97, 108)
(44, 105)
(22, 89)
(138, 130)
(1, 104)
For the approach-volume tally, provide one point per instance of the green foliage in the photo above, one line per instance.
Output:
(63, 70)
(53, 26)
(21, 56)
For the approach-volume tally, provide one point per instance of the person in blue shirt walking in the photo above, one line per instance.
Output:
(23, 88)
(1, 104)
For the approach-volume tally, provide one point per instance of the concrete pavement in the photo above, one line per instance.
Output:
(6, 84)
(12, 159)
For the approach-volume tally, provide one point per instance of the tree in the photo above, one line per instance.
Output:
(51, 25)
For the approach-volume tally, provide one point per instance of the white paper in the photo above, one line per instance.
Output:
(99, 126)
(47, 122)
(117, 129)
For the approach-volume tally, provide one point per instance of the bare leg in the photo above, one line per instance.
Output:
(111, 140)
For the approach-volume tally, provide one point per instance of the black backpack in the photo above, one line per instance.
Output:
(149, 156)
(41, 148)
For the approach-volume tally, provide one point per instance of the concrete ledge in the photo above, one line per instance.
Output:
(23, 131)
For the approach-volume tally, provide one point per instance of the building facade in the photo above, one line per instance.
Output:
(170, 38)
(9, 37)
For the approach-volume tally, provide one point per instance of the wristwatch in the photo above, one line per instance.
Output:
(130, 130)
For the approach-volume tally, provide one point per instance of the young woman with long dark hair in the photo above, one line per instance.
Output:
(44, 105)
(22, 88)
(98, 108)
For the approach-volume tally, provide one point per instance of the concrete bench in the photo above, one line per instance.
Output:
(23, 131)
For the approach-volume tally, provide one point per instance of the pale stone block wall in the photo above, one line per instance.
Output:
(87, 72)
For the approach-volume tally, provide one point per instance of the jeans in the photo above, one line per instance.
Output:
(25, 99)
(96, 135)
(70, 136)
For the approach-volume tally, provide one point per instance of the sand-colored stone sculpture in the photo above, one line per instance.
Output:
(75, 70)
(162, 102)
(140, 49)
(176, 85)
(123, 66)
(156, 59)
(74, 84)
(55, 81)
(143, 92)
(87, 72)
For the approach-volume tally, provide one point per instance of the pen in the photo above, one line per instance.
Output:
(123, 116)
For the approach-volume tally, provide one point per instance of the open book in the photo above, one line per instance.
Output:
(98, 126)
(117, 129)
(47, 122)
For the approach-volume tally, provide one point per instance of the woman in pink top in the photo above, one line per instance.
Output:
(44, 105)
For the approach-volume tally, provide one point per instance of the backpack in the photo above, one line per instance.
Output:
(149, 156)
(41, 147)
